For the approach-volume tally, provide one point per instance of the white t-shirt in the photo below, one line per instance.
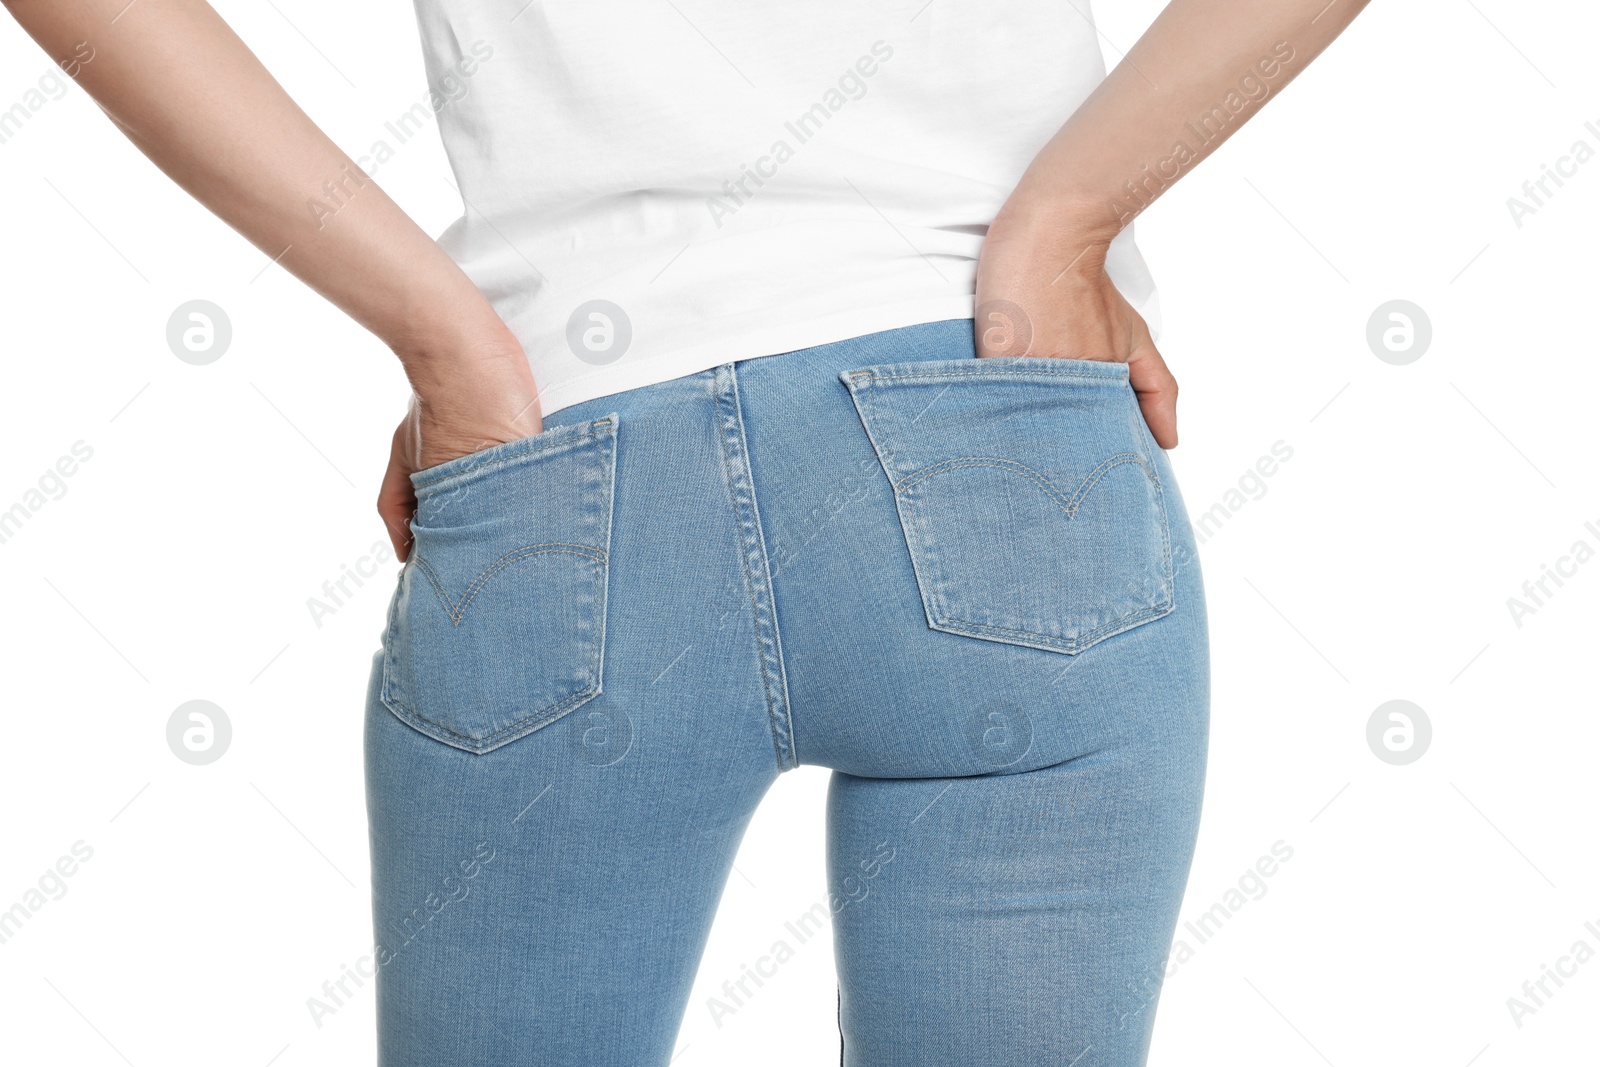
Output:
(653, 188)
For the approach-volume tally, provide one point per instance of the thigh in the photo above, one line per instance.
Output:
(1010, 919)
(996, 637)
(567, 733)
(542, 903)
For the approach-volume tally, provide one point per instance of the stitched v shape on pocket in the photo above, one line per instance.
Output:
(992, 558)
(513, 544)
(457, 611)
(1069, 504)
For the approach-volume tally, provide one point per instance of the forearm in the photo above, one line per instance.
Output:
(1200, 72)
(191, 96)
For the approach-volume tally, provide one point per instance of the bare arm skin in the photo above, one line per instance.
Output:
(187, 92)
(1202, 70)
(181, 85)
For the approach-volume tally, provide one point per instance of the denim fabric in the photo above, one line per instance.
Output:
(966, 586)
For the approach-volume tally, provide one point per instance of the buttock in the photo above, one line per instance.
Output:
(980, 565)
(965, 585)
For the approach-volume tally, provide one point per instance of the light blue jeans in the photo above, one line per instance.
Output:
(966, 586)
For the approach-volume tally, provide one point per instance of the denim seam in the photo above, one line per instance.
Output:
(1079, 644)
(1067, 504)
(1143, 437)
(985, 372)
(608, 466)
(525, 725)
(458, 613)
(599, 427)
(757, 574)
(863, 398)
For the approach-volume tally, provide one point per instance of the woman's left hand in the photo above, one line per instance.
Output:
(1043, 291)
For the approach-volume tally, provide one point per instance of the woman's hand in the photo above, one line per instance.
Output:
(458, 406)
(191, 96)
(1043, 291)
(1200, 72)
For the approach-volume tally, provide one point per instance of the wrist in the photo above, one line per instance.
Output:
(1072, 230)
(441, 356)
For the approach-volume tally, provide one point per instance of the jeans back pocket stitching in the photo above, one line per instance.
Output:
(525, 725)
(1145, 438)
(934, 603)
(940, 616)
(1067, 504)
(602, 427)
(985, 371)
(605, 430)
(457, 613)
(1078, 644)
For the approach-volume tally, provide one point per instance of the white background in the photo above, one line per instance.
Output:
(1376, 566)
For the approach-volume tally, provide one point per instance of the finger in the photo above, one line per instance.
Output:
(396, 507)
(1157, 391)
(397, 503)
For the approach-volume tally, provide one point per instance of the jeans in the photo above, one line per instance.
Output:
(966, 586)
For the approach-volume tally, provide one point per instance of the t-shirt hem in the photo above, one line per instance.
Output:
(752, 344)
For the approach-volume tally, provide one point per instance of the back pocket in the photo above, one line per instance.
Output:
(1028, 495)
(498, 624)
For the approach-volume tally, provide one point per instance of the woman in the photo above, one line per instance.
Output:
(785, 395)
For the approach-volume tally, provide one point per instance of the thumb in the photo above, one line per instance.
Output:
(1157, 391)
(397, 500)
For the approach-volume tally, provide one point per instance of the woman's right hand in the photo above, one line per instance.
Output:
(190, 95)
(461, 407)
